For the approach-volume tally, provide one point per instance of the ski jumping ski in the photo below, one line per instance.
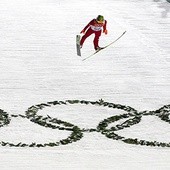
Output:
(105, 46)
(78, 37)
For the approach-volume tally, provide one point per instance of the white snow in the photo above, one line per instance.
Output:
(38, 64)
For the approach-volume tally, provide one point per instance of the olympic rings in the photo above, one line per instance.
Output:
(132, 117)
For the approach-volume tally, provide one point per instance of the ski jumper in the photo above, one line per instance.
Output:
(93, 27)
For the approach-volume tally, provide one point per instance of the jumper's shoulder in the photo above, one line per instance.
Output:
(93, 21)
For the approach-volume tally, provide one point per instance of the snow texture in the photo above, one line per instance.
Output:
(38, 64)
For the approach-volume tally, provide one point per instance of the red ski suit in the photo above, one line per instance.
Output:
(93, 27)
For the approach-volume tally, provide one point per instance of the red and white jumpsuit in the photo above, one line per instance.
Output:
(93, 27)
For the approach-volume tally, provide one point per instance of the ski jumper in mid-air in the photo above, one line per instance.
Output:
(95, 26)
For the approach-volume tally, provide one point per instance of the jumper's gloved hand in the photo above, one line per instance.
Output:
(82, 32)
(105, 31)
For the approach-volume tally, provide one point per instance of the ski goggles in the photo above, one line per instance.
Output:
(100, 22)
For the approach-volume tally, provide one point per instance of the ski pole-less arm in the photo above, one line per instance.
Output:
(86, 27)
(104, 27)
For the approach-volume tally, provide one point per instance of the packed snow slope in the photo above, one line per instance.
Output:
(111, 111)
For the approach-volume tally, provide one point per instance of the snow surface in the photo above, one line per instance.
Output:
(38, 64)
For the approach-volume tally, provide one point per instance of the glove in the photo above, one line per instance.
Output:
(82, 32)
(105, 31)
